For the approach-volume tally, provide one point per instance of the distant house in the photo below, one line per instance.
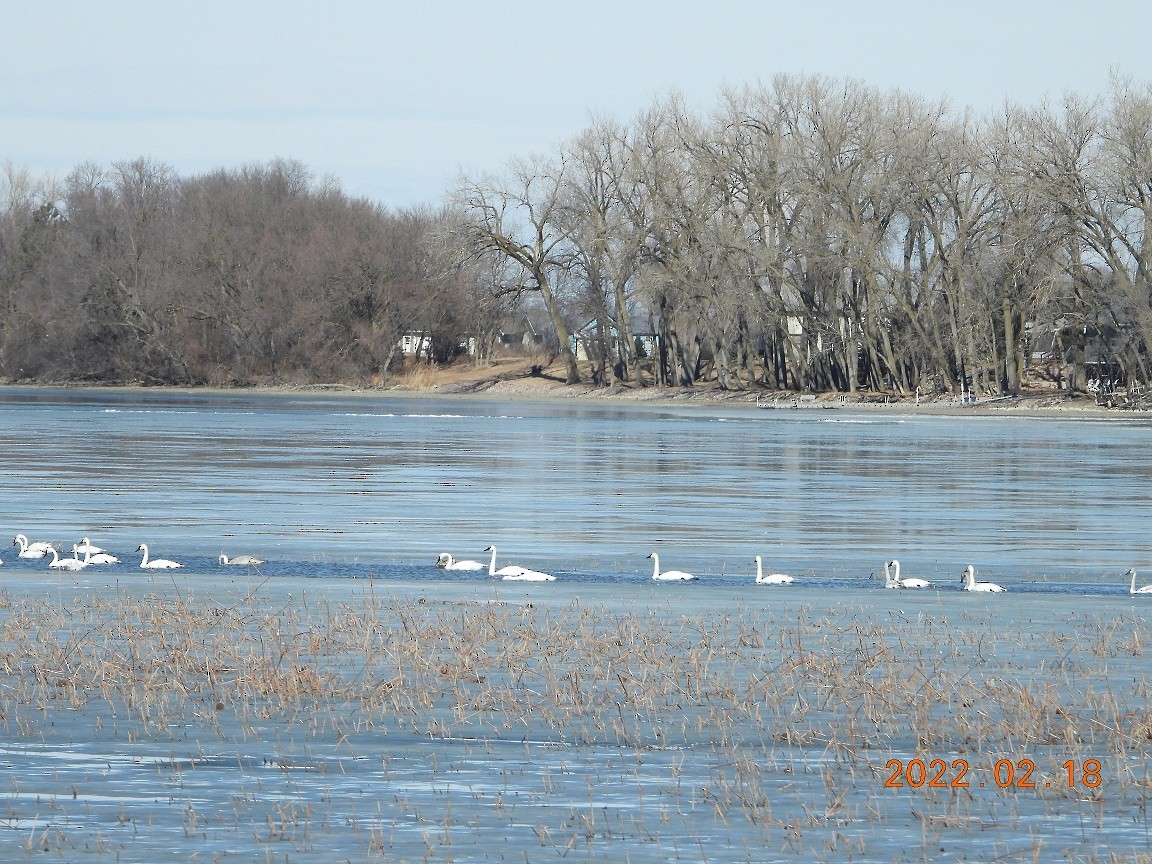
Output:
(416, 343)
(521, 339)
(585, 342)
(1043, 343)
(527, 338)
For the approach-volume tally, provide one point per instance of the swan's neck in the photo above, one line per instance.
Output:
(144, 560)
(759, 570)
(655, 565)
(492, 563)
(1132, 573)
(895, 571)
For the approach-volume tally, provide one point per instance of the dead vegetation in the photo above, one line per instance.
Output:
(766, 726)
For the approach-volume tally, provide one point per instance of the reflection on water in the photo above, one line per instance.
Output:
(355, 482)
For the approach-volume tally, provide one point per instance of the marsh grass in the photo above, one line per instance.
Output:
(401, 728)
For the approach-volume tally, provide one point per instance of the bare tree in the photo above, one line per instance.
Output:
(30, 227)
(518, 216)
(606, 249)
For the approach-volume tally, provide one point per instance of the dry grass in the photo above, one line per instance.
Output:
(775, 702)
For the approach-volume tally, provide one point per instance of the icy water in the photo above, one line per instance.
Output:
(332, 486)
(348, 701)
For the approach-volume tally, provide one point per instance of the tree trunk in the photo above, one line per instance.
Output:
(1011, 365)
(571, 372)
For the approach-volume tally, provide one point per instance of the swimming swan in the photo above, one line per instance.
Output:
(156, 564)
(446, 562)
(894, 581)
(85, 545)
(31, 550)
(98, 558)
(244, 560)
(1132, 589)
(771, 578)
(58, 563)
(970, 583)
(93, 554)
(667, 575)
(513, 572)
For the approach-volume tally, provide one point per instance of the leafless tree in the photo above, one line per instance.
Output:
(517, 215)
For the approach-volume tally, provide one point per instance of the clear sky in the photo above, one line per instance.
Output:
(396, 99)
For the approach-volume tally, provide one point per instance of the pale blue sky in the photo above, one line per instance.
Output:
(396, 99)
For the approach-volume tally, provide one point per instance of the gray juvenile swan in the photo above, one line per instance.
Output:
(243, 560)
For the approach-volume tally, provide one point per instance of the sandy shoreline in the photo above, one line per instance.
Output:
(518, 386)
(1031, 404)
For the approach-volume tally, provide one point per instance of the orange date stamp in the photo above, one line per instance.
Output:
(1006, 774)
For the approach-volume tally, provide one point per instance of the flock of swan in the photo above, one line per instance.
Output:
(515, 573)
(511, 572)
(892, 577)
(968, 581)
(94, 555)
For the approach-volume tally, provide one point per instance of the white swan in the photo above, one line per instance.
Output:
(970, 583)
(157, 563)
(93, 554)
(85, 545)
(1132, 589)
(667, 575)
(31, 550)
(446, 562)
(58, 563)
(98, 558)
(771, 578)
(513, 572)
(243, 560)
(894, 581)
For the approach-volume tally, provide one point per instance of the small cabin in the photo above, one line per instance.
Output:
(416, 343)
(585, 342)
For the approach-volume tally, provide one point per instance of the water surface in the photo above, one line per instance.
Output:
(781, 707)
(331, 485)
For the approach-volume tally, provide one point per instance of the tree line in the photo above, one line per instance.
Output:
(813, 234)
(805, 234)
(130, 273)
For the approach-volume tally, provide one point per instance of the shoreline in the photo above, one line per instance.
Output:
(1037, 405)
(1028, 404)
